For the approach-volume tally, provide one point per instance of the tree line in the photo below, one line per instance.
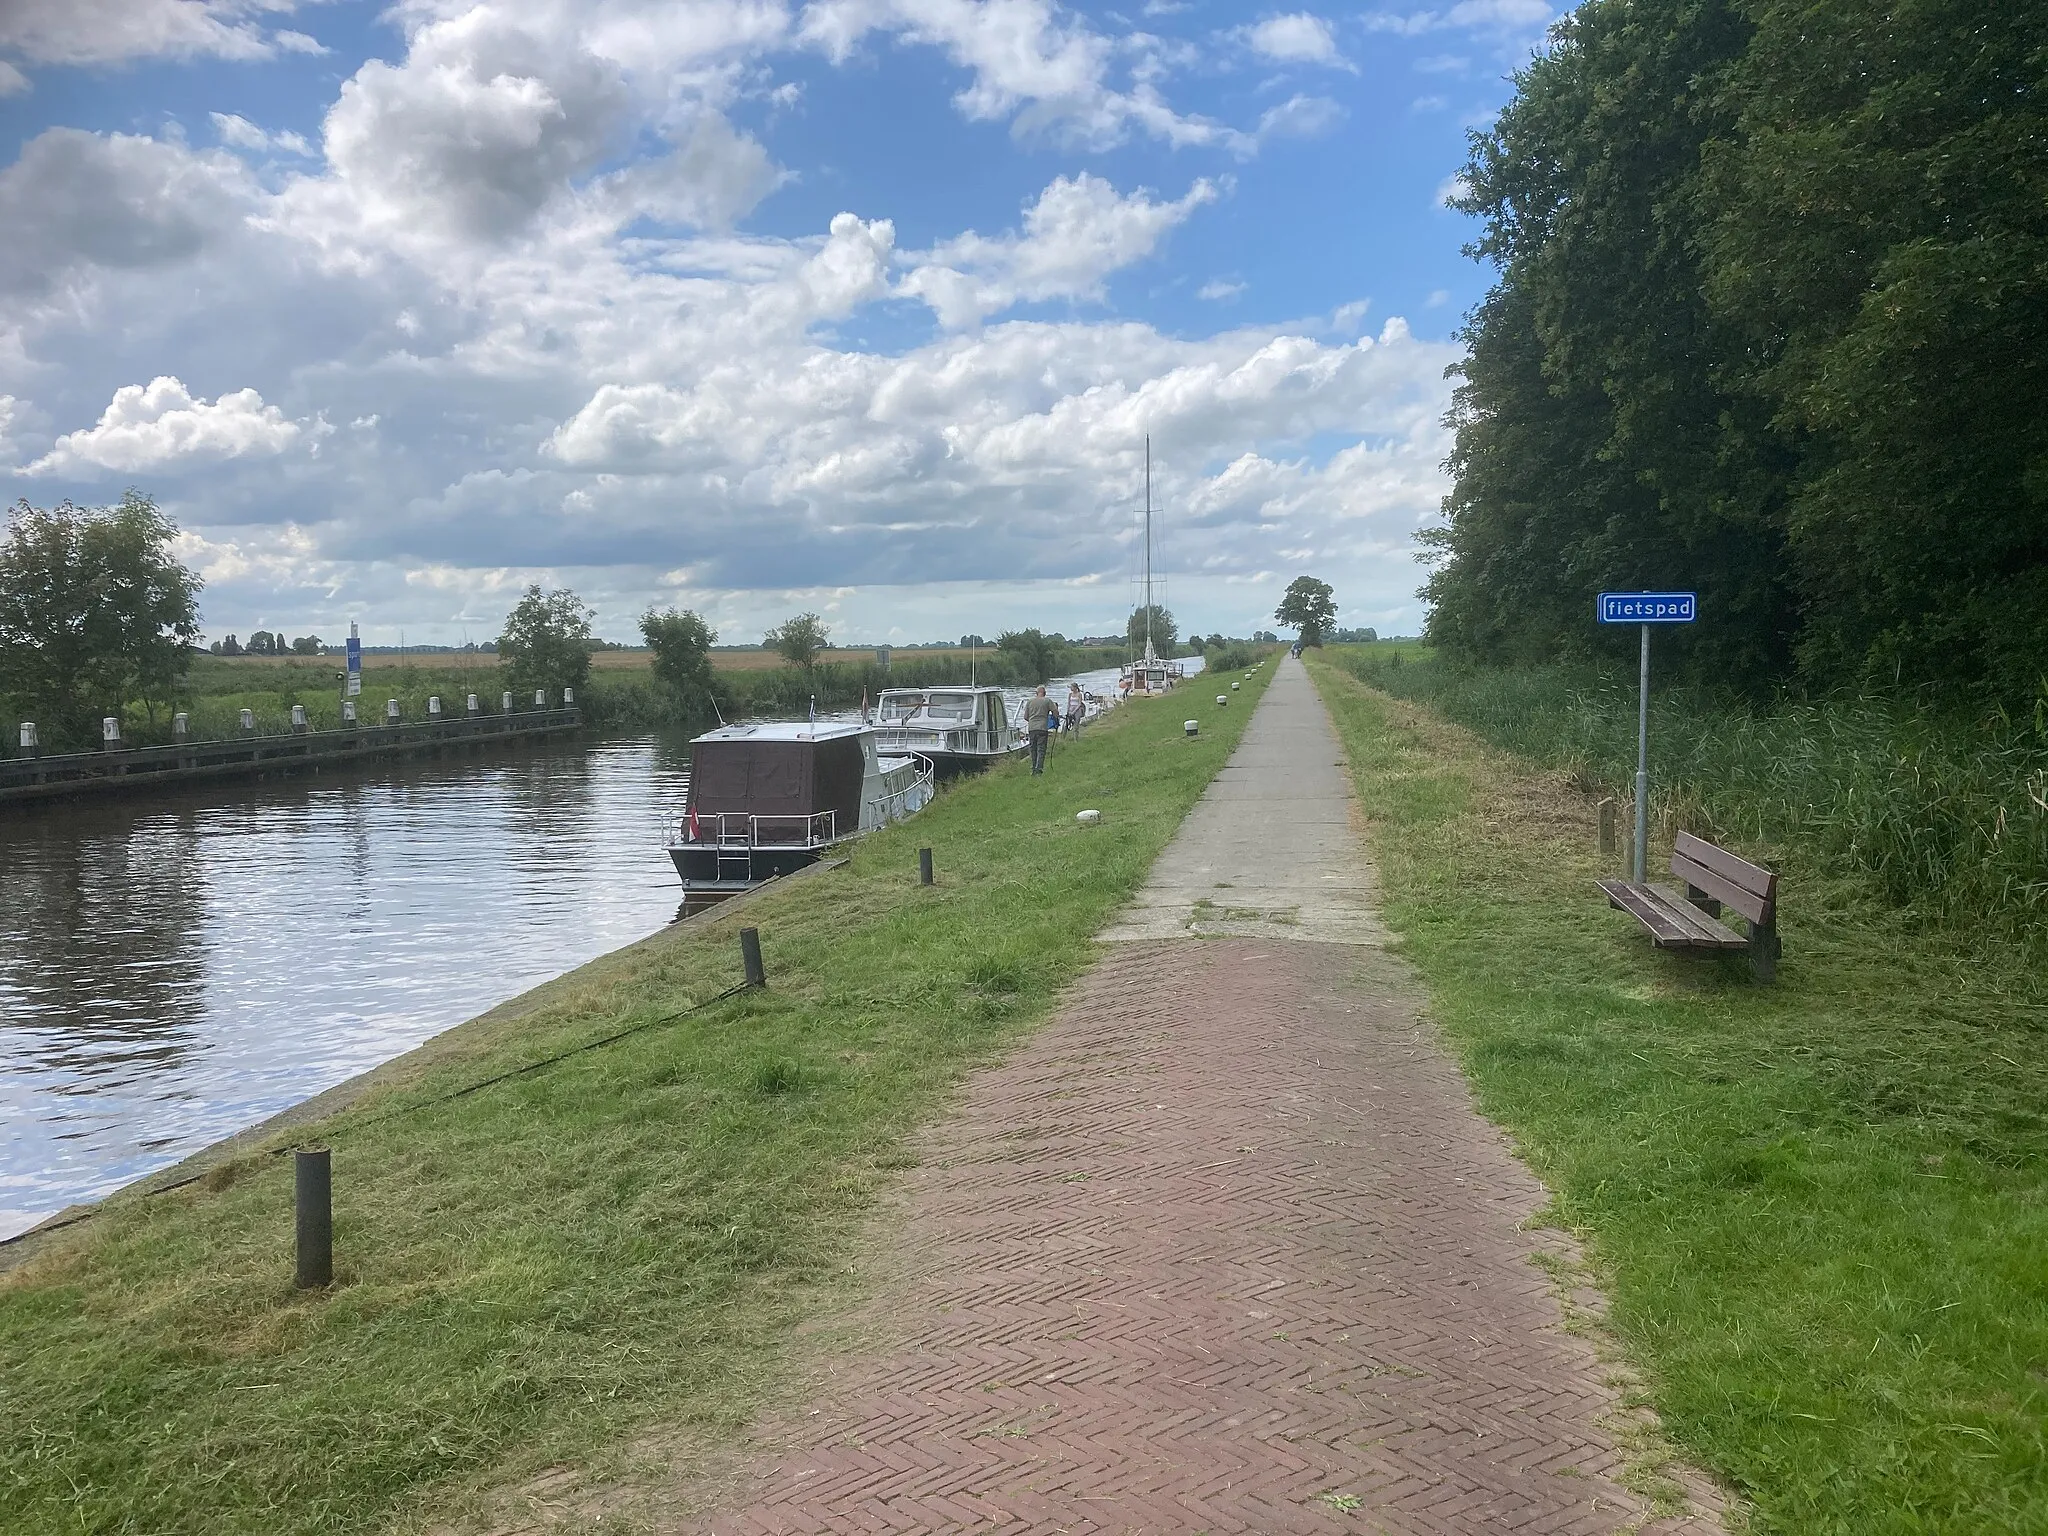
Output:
(1770, 322)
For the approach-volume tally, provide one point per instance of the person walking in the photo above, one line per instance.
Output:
(1037, 715)
(1075, 712)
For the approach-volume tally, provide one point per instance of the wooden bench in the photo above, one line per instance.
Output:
(1712, 877)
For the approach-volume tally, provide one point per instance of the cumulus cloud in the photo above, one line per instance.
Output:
(118, 31)
(1076, 234)
(1300, 117)
(1477, 16)
(1043, 70)
(111, 200)
(1218, 290)
(161, 423)
(1294, 38)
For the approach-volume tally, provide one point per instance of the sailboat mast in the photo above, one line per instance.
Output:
(1148, 546)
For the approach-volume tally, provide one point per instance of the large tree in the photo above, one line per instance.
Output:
(798, 640)
(681, 642)
(1035, 654)
(1154, 623)
(1309, 607)
(95, 613)
(547, 640)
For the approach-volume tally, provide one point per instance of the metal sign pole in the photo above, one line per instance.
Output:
(1643, 765)
(1644, 609)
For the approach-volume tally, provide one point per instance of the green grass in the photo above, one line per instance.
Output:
(1819, 1207)
(1931, 806)
(530, 1274)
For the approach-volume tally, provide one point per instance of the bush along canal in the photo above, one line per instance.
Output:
(527, 1272)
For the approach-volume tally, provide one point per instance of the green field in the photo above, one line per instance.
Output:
(1819, 1207)
(531, 1274)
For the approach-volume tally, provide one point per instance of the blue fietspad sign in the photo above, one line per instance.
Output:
(1648, 607)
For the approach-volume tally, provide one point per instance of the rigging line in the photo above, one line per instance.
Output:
(408, 1109)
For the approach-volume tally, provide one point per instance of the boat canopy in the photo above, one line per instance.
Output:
(780, 772)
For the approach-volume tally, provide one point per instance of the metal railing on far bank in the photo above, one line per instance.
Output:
(118, 768)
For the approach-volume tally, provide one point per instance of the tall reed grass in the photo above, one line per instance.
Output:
(1940, 810)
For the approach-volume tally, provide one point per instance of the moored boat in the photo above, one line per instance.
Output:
(767, 799)
(959, 729)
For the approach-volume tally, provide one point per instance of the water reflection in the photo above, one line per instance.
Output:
(173, 969)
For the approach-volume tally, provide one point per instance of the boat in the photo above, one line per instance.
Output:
(1149, 674)
(957, 729)
(767, 799)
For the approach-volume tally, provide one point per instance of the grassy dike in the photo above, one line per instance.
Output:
(1819, 1208)
(529, 1274)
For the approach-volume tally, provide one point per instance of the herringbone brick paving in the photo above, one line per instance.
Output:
(1223, 1248)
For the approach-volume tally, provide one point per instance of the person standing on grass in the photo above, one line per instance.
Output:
(1037, 713)
(1075, 712)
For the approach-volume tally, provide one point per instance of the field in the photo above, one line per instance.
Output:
(458, 662)
(1820, 1208)
(531, 1275)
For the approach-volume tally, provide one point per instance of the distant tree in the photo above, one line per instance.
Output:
(681, 642)
(972, 642)
(1037, 655)
(1355, 636)
(799, 640)
(309, 645)
(95, 611)
(262, 644)
(1163, 630)
(546, 643)
(1265, 637)
(231, 646)
(1309, 608)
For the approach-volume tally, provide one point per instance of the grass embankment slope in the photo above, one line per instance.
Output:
(529, 1273)
(1818, 1206)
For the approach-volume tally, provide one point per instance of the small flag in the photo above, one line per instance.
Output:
(696, 835)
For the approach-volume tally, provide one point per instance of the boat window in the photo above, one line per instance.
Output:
(952, 706)
(901, 706)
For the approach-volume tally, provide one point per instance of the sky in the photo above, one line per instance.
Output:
(865, 307)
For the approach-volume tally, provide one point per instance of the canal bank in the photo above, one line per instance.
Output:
(526, 1273)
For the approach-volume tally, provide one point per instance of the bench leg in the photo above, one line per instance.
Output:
(1764, 950)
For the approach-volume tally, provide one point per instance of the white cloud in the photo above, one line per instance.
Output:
(117, 31)
(77, 199)
(1217, 290)
(12, 81)
(1452, 190)
(1076, 234)
(1043, 70)
(1494, 17)
(1294, 38)
(154, 425)
(243, 134)
(1300, 117)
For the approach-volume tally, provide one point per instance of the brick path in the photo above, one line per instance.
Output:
(1223, 1248)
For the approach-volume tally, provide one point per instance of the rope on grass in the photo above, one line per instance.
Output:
(409, 1109)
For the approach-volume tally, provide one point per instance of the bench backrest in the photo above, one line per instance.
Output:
(1749, 888)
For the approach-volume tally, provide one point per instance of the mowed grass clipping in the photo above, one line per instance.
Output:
(531, 1272)
(1818, 1206)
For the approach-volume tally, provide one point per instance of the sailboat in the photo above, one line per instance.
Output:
(1149, 674)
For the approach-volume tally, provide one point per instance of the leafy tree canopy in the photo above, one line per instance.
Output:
(1037, 655)
(547, 641)
(799, 640)
(681, 642)
(95, 611)
(1309, 607)
(1162, 630)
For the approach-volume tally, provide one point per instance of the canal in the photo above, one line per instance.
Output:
(176, 966)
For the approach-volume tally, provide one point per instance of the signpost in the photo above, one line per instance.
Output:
(1645, 609)
(355, 663)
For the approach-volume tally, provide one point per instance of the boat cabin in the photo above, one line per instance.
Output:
(957, 727)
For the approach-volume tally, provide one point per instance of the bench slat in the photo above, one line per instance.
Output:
(1710, 934)
(1757, 908)
(1753, 878)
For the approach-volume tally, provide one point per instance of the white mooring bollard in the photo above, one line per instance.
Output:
(1222, 698)
(508, 702)
(1191, 726)
(248, 722)
(472, 703)
(30, 742)
(568, 697)
(299, 717)
(110, 731)
(391, 710)
(434, 707)
(348, 711)
(540, 698)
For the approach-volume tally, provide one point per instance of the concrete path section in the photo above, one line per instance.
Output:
(1223, 1248)
(1269, 850)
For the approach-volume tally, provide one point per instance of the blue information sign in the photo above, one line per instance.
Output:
(1648, 607)
(354, 687)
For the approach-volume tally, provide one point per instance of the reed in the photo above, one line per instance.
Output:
(1941, 810)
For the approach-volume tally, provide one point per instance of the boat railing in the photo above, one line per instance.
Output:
(744, 829)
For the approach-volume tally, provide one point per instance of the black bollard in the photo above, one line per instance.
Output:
(924, 866)
(750, 956)
(313, 1199)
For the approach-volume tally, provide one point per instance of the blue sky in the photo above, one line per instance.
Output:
(864, 306)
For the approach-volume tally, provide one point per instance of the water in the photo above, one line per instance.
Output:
(174, 968)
